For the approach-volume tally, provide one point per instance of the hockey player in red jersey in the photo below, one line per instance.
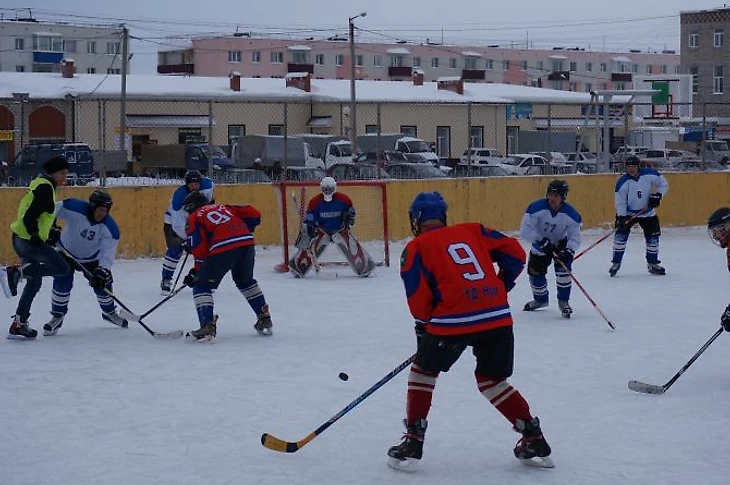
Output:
(220, 237)
(458, 300)
(718, 227)
(329, 217)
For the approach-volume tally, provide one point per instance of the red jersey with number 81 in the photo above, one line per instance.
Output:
(213, 229)
(450, 279)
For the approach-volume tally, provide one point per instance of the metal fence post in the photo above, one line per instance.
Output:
(704, 135)
(210, 138)
(468, 134)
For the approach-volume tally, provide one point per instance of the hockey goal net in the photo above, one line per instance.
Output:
(371, 223)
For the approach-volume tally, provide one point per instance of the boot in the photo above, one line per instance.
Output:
(206, 332)
(21, 330)
(656, 268)
(165, 287)
(51, 328)
(565, 309)
(532, 444)
(534, 305)
(407, 455)
(115, 319)
(263, 324)
(614, 269)
(9, 279)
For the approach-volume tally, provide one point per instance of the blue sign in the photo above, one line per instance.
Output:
(520, 111)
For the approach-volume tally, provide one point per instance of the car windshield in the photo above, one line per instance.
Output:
(418, 146)
(718, 146)
(345, 150)
(516, 161)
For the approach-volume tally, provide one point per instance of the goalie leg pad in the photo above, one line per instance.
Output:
(360, 261)
(302, 262)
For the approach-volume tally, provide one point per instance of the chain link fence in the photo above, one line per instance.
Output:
(259, 142)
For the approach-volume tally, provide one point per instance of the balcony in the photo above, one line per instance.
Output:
(292, 67)
(176, 69)
(394, 71)
(473, 74)
(621, 77)
(559, 76)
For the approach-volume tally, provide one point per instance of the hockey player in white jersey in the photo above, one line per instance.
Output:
(552, 227)
(175, 219)
(90, 235)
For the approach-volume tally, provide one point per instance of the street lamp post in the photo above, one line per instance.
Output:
(353, 103)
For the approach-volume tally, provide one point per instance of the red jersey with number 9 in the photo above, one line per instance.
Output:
(450, 279)
(214, 229)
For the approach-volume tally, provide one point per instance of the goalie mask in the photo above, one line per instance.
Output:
(328, 187)
(718, 226)
(427, 206)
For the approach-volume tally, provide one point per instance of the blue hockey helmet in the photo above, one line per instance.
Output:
(426, 206)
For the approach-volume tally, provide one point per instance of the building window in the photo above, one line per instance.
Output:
(648, 68)
(19, 68)
(276, 130)
(113, 48)
(635, 68)
(452, 63)
(299, 58)
(19, 44)
(589, 66)
(256, 57)
(694, 40)
(470, 63)
(589, 87)
(539, 65)
(443, 141)
(359, 60)
(377, 61)
(48, 43)
(523, 65)
(718, 80)
(476, 133)
(416, 62)
(319, 59)
(91, 47)
(113, 70)
(490, 64)
(604, 67)
(277, 57)
(397, 61)
(371, 129)
(620, 86)
(69, 46)
(235, 132)
(664, 68)
(339, 60)
(573, 66)
(557, 65)
(409, 130)
(505, 65)
(234, 56)
(718, 38)
(695, 72)
(90, 70)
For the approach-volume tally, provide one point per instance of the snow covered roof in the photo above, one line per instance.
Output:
(299, 48)
(621, 59)
(54, 86)
(398, 51)
(471, 54)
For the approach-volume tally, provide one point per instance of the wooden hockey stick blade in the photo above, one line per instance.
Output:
(168, 336)
(645, 388)
(128, 315)
(274, 443)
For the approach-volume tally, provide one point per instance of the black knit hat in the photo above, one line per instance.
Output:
(55, 164)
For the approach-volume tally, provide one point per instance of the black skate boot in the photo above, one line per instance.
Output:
(21, 330)
(614, 269)
(533, 305)
(565, 309)
(51, 328)
(263, 324)
(165, 287)
(115, 319)
(9, 279)
(656, 268)
(532, 449)
(206, 333)
(407, 455)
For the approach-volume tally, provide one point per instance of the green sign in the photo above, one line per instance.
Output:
(662, 97)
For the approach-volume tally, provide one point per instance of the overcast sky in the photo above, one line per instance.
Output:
(617, 25)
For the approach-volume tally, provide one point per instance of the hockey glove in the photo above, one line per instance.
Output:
(190, 279)
(621, 223)
(101, 278)
(565, 255)
(654, 200)
(508, 283)
(54, 235)
(420, 329)
(545, 246)
(725, 319)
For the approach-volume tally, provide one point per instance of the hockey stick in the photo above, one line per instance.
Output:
(577, 283)
(276, 444)
(638, 386)
(138, 318)
(309, 250)
(609, 234)
(125, 312)
(185, 260)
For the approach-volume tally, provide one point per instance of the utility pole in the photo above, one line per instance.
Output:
(353, 100)
(123, 97)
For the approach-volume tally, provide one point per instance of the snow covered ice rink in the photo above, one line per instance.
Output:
(99, 405)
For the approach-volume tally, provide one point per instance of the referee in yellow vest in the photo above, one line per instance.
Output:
(34, 243)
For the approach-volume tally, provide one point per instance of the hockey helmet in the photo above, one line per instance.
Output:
(193, 201)
(426, 206)
(718, 226)
(559, 187)
(100, 198)
(328, 185)
(193, 176)
(632, 160)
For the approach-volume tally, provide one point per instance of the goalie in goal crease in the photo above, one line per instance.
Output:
(328, 218)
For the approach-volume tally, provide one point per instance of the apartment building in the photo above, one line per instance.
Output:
(29, 45)
(570, 69)
(705, 55)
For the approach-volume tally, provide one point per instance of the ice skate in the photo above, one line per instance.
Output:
(21, 330)
(51, 328)
(565, 309)
(407, 455)
(165, 287)
(9, 279)
(206, 333)
(263, 324)
(532, 449)
(115, 319)
(656, 268)
(614, 269)
(533, 305)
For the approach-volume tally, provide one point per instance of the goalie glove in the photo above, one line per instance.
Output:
(306, 234)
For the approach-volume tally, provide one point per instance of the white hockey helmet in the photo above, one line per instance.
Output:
(329, 187)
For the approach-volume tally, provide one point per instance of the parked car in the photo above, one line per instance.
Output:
(662, 158)
(387, 156)
(486, 156)
(478, 171)
(519, 163)
(301, 174)
(241, 176)
(414, 171)
(698, 166)
(29, 162)
(357, 171)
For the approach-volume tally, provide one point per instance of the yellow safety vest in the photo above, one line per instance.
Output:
(45, 221)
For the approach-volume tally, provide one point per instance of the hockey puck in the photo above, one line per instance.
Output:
(343, 376)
